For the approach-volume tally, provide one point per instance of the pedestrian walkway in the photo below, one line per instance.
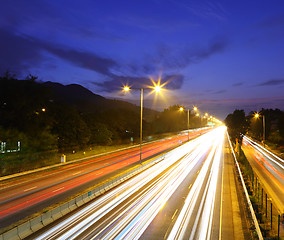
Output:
(234, 223)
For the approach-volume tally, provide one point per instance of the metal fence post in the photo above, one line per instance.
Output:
(278, 227)
(266, 205)
(271, 213)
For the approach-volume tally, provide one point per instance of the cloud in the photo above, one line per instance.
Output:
(206, 10)
(237, 84)
(220, 91)
(273, 21)
(272, 82)
(116, 82)
(81, 59)
(178, 58)
(20, 52)
(273, 26)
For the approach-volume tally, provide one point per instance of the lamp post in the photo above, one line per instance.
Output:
(182, 109)
(141, 121)
(257, 115)
(157, 88)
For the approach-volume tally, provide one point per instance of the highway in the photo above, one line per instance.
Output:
(180, 197)
(269, 168)
(21, 196)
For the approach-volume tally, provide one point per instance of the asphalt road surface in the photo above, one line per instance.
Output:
(24, 195)
(191, 194)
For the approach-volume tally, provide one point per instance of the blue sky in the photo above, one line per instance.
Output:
(217, 55)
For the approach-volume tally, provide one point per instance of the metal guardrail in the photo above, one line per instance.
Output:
(259, 234)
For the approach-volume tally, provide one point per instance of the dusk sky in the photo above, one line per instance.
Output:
(217, 55)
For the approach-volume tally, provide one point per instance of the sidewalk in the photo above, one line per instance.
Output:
(234, 211)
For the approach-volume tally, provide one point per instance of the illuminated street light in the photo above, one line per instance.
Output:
(182, 109)
(156, 88)
(126, 88)
(257, 115)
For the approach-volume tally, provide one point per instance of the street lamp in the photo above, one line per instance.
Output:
(156, 88)
(182, 109)
(257, 115)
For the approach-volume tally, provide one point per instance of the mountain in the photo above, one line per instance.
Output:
(87, 101)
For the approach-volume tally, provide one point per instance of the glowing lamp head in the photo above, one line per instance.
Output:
(157, 88)
(256, 115)
(181, 109)
(126, 88)
(195, 108)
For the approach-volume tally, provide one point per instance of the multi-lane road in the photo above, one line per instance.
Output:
(269, 168)
(189, 195)
(23, 195)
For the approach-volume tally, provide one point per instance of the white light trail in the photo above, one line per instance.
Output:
(132, 219)
(264, 151)
(206, 206)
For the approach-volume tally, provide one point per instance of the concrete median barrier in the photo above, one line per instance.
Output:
(79, 201)
(86, 198)
(95, 193)
(46, 218)
(36, 224)
(102, 190)
(107, 187)
(11, 235)
(64, 209)
(72, 204)
(56, 213)
(24, 230)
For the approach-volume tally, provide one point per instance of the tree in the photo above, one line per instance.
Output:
(71, 129)
(171, 120)
(237, 124)
(281, 126)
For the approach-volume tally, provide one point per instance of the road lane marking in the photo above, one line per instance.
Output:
(76, 173)
(28, 189)
(174, 214)
(58, 189)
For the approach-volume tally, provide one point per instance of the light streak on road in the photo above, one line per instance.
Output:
(20, 196)
(268, 168)
(126, 211)
(203, 221)
(272, 164)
